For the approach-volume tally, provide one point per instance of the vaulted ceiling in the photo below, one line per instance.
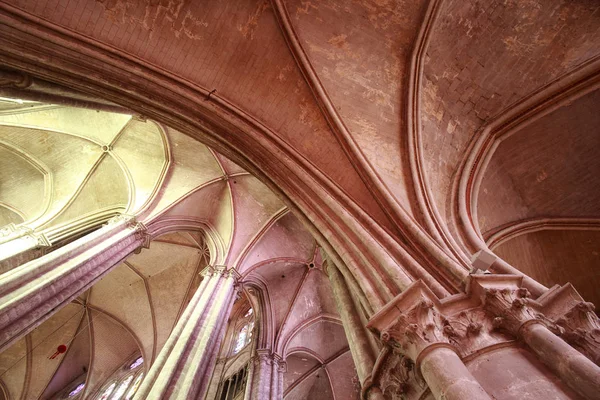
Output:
(130, 311)
(383, 102)
(235, 221)
(61, 164)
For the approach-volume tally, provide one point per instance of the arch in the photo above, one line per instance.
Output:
(353, 238)
(562, 91)
(172, 224)
(257, 293)
(463, 205)
(283, 345)
(508, 232)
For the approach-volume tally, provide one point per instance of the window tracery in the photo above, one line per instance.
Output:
(134, 387)
(244, 334)
(122, 388)
(77, 390)
(137, 363)
(125, 382)
(107, 392)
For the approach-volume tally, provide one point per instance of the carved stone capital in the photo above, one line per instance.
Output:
(232, 273)
(263, 357)
(418, 328)
(141, 233)
(471, 330)
(42, 240)
(417, 320)
(510, 304)
(580, 327)
(281, 366)
(11, 231)
(122, 218)
(394, 376)
(512, 308)
(213, 270)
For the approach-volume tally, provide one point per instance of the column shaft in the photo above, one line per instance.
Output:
(356, 333)
(32, 292)
(261, 380)
(187, 357)
(448, 378)
(274, 379)
(575, 369)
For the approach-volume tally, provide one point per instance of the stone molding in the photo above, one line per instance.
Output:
(14, 79)
(417, 321)
(222, 270)
(395, 376)
(13, 232)
(494, 310)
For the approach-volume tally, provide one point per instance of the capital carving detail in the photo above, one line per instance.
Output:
(399, 379)
(512, 308)
(580, 327)
(11, 231)
(417, 320)
(418, 328)
(213, 270)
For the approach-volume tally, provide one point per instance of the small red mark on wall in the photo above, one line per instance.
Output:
(59, 350)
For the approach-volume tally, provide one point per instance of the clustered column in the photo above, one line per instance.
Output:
(267, 379)
(524, 318)
(30, 293)
(358, 341)
(188, 357)
(17, 240)
(436, 336)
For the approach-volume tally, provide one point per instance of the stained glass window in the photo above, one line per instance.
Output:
(122, 388)
(241, 340)
(248, 313)
(139, 361)
(107, 392)
(134, 387)
(77, 390)
(250, 330)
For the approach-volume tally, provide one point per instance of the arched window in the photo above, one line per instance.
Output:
(134, 387)
(124, 382)
(122, 388)
(244, 336)
(241, 339)
(77, 390)
(107, 391)
(136, 363)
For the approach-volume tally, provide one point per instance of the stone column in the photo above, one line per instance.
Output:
(279, 367)
(18, 245)
(187, 358)
(267, 379)
(356, 334)
(360, 347)
(261, 378)
(250, 373)
(414, 325)
(32, 292)
(523, 317)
